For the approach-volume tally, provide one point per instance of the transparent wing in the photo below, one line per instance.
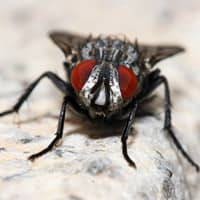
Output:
(67, 41)
(154, 54)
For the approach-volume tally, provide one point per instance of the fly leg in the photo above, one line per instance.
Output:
(125, 134)
(154, 83)
(59, 83)
(59, 132)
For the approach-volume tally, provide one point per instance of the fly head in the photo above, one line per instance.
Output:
(107, 73)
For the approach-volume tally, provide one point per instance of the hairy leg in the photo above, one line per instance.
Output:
(59, 132)
(156, 81)
(59, 83)
(125, 134)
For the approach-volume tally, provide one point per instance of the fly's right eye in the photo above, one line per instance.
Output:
(81, 73)
(127, 81)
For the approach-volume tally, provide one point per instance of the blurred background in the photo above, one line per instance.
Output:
(26, 51)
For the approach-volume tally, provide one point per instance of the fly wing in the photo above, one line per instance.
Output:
(153, 54)
(67, 41)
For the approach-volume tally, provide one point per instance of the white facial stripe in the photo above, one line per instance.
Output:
(115, 92)
(86, 93)
(101, 99)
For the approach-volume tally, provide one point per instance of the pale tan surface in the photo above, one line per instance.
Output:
(26, 52)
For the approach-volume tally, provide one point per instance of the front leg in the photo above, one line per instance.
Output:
(154, 83)
(59, 132)
(125, 134)
(168, 125)
(59, 83)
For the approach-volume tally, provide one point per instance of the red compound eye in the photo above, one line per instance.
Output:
(127, 81)
(81, 73)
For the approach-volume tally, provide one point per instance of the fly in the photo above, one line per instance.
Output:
(108, 79)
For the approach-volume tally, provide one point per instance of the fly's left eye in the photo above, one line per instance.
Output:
(127, 81)
(81, 73)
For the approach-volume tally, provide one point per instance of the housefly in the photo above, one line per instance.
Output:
(108, 79)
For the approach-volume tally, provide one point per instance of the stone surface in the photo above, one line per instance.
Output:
(89, 165)
(85, 167)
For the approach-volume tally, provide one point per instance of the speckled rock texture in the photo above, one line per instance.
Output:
(88, 165)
